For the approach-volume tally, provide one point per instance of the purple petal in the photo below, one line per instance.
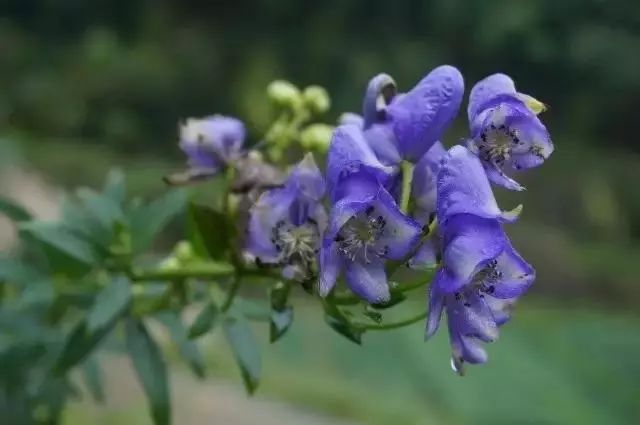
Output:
(500, 308)
(382, 141)
(516, 274)
(463, 188)
(368, 280)
(471, 316)
(421, 116)
(272, 207)
(401, 233)
(425, 176)
(469, 243)
(330, 263)
(427, 255)
(436, 305)
(307, 178)
(349, 153)
(380, 91)
(212, 141)
(486, 89)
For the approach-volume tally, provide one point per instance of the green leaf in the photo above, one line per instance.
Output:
(103, 208)
(12, 210)
(209, 231)
(148, 220)
(340, 323)
(245, 349)
(188, 349)
(280, 323)
(92, 375)
(109, 304)
(79, 344)
(151, 370)
(16, 271)
(114, 186)
(281, 314)
(204, 321)
(61, 239)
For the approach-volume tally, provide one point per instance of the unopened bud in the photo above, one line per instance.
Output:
(317, 99)
(283, 93)
(183, 251)
(316, 137)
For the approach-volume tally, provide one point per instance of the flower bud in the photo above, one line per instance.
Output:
(316, 137)
(283, 93)
(183, 252)
(316, 99)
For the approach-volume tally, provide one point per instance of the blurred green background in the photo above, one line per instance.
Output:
(86, 86)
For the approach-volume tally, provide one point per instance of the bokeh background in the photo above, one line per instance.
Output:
(88, 86)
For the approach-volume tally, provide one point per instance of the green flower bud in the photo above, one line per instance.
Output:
(283, 93)
(183, 252)
(316, 99)
(316, 137)
(169, 264)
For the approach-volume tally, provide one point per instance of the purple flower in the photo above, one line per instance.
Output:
(506, 132)
(285, 224)
(365, 229)
(481, 274)
(405, 126)
(211, 143)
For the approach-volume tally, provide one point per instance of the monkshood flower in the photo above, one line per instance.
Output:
(286, 223)
(405, 126)
(365, 228)
(211, 143)
(506, 132)
(481, 274)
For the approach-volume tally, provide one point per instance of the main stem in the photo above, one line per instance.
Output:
(406, 169)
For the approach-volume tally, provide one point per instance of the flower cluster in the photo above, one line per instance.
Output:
(395, 195)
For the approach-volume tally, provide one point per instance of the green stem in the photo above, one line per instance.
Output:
(200, 271)
(407, 177)
(388, 326)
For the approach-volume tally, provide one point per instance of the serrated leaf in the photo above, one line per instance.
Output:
(209, 231)
(188, 349)
(114, 186)
(150, 368)
(13, 211)
(245, 350)
(109, 304)
(280, 323)
(92, 375)
(148, 220)
(204, 321)
(79, 344)
(61, 239)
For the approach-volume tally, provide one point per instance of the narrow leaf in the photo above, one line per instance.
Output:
(209, 231)
(61, 239)
(204, 321)
(92, 375)
(110, 303)
(188, 349)
(79, 344)
(12, 210)
(151, 370)
(246, 351)
(340, 323)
